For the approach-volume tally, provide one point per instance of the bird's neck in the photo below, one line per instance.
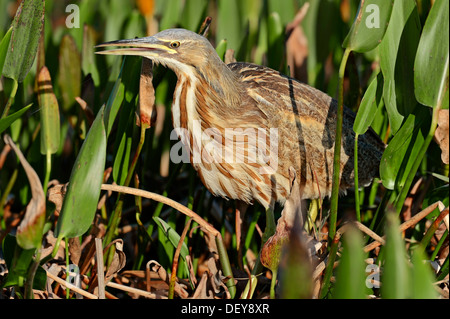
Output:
(208, 94)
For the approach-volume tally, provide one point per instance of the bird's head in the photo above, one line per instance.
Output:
(187, 54)
(177, 49)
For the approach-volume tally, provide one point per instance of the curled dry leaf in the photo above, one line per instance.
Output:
(118, 261)
(441, 135)
(30, 230)
(147, 109)
(157, 268)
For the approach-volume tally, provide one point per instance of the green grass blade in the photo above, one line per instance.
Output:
(7, 121)
(4, 48)
(395, 277)
(351, 276)
(402, 150)
(422, 277)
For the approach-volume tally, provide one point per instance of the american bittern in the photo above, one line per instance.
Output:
(238, 104)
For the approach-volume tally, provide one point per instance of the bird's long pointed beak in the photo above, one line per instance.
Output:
(149, 46)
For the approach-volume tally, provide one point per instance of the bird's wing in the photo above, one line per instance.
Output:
(273, 89)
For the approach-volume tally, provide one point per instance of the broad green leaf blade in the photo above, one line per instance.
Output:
(369, 26)
(370, 102)
(431, 64)
(7, 121)
(4, 48)
(422, 277)
(27, 27)
(400, 154)
(50, 126)
(80, 202)
(397, 54)
(351, 275)
(395, 275)
(69, 71)
(30, 230)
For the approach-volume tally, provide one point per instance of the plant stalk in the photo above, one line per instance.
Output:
(11, 98)
(337, 149)
(355, 170)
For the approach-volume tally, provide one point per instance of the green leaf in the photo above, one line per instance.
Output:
(170, 11)
(401, 152)
(80, 203)
(285, 10)
(88, 63)
(27, 27)
(69, 71)
(422, 277)
(275, 52)
(221, 48)
(7, 121)
(395, 276)
(124, 140)
(397, 53)
(50, 126)
(17, 260)
(194, 12)
(370, 24)
(351, 275)
(370, 103)
(431, 64)
(4, 48)
(172, 235)
(228, 10)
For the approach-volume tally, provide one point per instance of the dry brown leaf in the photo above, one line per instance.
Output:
(157, 268)
(29, 232)
(118, 262)
(229, 56)
(75, 250)
(56, 196)
(147, 109)
(441, 135)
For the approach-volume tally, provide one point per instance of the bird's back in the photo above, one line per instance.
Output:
(306, 121)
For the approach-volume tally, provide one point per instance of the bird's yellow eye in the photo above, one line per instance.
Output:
(175, 44)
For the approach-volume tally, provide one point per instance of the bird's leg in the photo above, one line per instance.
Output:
(291, 220)
(241, 208)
